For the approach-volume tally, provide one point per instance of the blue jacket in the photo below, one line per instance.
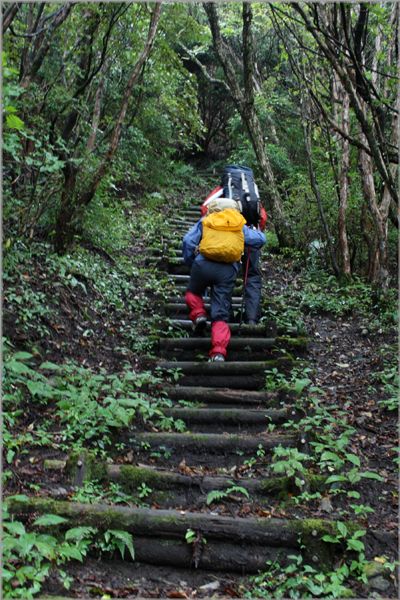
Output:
(252, 238)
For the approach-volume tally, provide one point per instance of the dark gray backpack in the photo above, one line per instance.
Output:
(238, 183)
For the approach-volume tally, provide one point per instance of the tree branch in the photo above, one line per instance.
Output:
(203, 69)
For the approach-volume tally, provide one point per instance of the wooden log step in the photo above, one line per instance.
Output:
(171, 260)
(180, 230)
(178, 307)
(212, 443)
(131, 477)
(214, 555)
(174, 524)
(201, 343)
(229, 416)
(184, 220)
(236, 382)
(181, 289)
(223, 368)
(224, 395)
(179, 278)
(261, 329)
(236, 343)
(236, 301)
(192, 212)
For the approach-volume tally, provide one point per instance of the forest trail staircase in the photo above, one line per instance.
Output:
(231, 425)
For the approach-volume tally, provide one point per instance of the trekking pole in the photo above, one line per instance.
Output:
(244, 287)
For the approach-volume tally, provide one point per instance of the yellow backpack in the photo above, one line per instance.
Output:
(223, 238)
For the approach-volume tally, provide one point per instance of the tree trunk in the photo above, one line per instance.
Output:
(244, 101)
(96, 111)
(380, 274)
(344, 189)
(43, 44)
(317, 194)
(9, 15)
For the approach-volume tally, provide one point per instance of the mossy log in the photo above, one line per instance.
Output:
(179, 300)
(223, 368)
(236, 382)
(174, 524)
(182, 221)
(171, 260)
(179, 278)
(130, 477)
(214, 443)
(267, 329)
(213, 555)
(228, 416)
(204, 343)
(224, 395)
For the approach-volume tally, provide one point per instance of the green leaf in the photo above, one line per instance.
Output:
(334, 478)
(371, 475)
(18, 498)
(14, 527)
(355, 545)
(80, 533)
(19, 368)
(238, 490)
(38, 388)
(48, 520)
(354, 494)
(49, 366)
(71, 552)
(359, 533)
(126, 538)
(342, 529)
(14, 122)
(22, 356)
(327, 455)
(329, 538)
(215, 495)
(353, 458)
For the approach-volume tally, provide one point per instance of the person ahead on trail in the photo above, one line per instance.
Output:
(234, 182)
(213, 248)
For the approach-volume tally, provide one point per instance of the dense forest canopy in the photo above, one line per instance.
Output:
(104, 97)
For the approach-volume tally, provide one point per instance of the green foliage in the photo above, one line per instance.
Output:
(30, 556)
(88, 406)
(296, 382)
(290, 462)
(389, 378)
(218, 495)
(299, 580)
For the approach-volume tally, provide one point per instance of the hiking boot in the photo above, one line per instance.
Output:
(199, 324)
(217, 358)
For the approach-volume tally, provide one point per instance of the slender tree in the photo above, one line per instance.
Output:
(73, 200)
(244, 99)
